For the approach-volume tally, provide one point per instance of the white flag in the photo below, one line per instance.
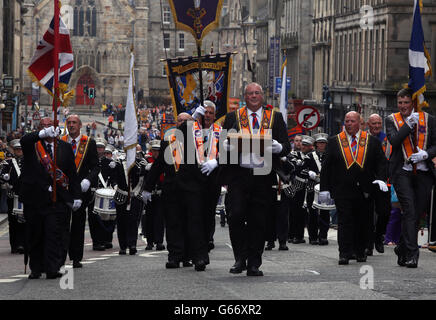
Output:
(130, 121)
(283, 94)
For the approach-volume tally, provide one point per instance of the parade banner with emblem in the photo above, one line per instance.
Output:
(197, 16)
(183, 78)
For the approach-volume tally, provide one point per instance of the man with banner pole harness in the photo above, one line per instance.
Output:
(10, 173)
(250, 177)
(86, 160)
(354, 166)
(43, 217)
(212, 190)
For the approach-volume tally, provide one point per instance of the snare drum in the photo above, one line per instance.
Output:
(330, 205)
(295, 185)
(104, 204)
(120, 196)
(18, 209)
(220, 205)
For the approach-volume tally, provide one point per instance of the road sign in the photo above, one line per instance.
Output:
(36, 116)
(308, 117)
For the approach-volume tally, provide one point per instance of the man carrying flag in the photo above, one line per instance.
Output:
(413, 138)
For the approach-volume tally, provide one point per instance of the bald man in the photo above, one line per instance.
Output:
(353, 169)
(382, 200)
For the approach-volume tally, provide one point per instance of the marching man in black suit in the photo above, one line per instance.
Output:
(86, 160)
(410, 170)
(249, 191)
(43, 236)
(354, 166)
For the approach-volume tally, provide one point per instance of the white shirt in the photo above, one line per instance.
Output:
(350, 138)
(252, 160)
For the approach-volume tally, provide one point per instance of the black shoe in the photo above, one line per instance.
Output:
(149, 246)
(412, 263)
(283, 246)
(132, 251)
(99, 247)
(298, 241)
(160, 247)
(108, 245)
(172, 265)
(343, 261)
(53, 275)
(401, 259)
(20, 249)
(210, 246)
(200, 265)
(323, 242)
(122, 252)
(270, 245)
(34, 275)
(369, 252)
(379, 247)
(238, 267)
(353, 257)
(313, 242)
(361, 258)
(187, 264)
(77, 264)
(254, 272)
(223, 224)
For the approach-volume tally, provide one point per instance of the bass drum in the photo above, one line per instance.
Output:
(330, 205)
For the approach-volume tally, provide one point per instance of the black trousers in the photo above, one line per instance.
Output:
(17, 229)
(101, 230)
(353, 216)
(77, 233)
(44, 237)
(278, 219)
(128, 223)
(323, 223)
(154, 220)
(210, 201)
(299, 215)
(250, 202)
(379, 213)
(413, 192)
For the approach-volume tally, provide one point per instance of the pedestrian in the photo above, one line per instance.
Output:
(248, 193)
(413, 139)
(354, 166)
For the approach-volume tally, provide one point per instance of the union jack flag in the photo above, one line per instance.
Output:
(41, 68)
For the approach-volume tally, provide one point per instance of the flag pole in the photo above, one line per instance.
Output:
(200, 73)
(55, 87)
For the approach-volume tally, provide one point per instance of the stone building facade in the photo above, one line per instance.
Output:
(102, 34)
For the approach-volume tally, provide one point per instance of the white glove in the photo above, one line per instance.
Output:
(227, 146)
(199, 112)
(413, 119)
(383, 187)
(209, 166)
(6, 177)
(49, 132)
(275, 147)
(419, 156)
(148, 166)
(50, 189)
(313, 175)
(112, 164)
(324, 197)
(85, 184)
(76, 204)
(146, 196)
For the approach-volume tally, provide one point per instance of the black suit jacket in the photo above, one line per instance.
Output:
(396, 138)
(230, 172)
(343, 183)
(35, 180)
(90, 169)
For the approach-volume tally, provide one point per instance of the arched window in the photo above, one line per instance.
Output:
(85, 18)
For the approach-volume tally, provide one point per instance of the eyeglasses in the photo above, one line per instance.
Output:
(250, 93)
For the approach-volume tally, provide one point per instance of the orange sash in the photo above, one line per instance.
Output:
(199, 142)
(408, 145)
(175, 148)
(80, 151)
(347, 153)
(47, 163)
(244, 125)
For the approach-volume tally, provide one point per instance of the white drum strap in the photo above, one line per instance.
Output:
(318, 162)
(17, 168)
(126, 174)
(138, 187)
(100, 176)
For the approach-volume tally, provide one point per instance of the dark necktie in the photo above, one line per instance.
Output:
(74, 145)
(255, 123)
(49, 151)
(354, 145)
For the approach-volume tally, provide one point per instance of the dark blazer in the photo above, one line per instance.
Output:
(230, 172)
(396, 139)
(343, 183)
(90, 168)
(35, 180)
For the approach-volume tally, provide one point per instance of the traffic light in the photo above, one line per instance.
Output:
(85, 90)
(91, 93)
